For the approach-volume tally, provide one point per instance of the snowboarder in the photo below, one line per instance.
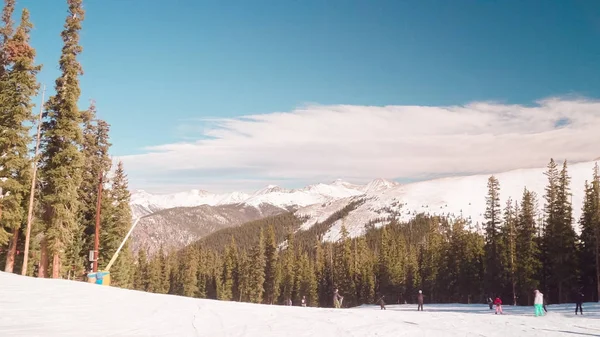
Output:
(498, 304)
(490, 303)
(337, 299)
(303, 301)
(381, 302)
(420, 300)
(538, 303)
(579, 302)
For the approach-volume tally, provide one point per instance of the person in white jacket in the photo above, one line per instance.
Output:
(538, 303)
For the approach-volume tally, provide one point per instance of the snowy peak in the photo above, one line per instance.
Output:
(270, 189)
(379, 185)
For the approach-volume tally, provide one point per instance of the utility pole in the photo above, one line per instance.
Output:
(32, 190)
(97, 236)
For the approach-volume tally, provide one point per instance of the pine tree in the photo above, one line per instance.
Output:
(271, 285)
(509, 245)
(493, 218)
(244, 277)
(61, 159)
(227, 274)
(344, 268)
(189, 272)
(365, 272)
(154, 275)
(140, 281)
(257, 271)
(590, 235)
(117, 223)
(18, 85)
(527, 250)
(288, 270)
(97, 163)
(559, 236)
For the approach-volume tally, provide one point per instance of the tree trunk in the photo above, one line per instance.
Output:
(56, 266)
(598, 268)
(43, 268)
(12, 252)
(514, 288)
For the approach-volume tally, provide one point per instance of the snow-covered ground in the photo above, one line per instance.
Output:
(60, 308)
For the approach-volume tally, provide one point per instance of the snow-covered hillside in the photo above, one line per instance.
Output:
(60, 308)
(456, 197)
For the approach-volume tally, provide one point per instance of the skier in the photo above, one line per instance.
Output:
(579, 302)
(498, 304)
(420, 300)
(538, 303)
(381, 302)
(303, 301)
(490, 303)
(337, 299)
(289, 302)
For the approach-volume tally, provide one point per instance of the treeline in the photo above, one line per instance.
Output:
(514, 252)
(65, 174)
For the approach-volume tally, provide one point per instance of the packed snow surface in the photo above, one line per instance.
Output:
(60, 308)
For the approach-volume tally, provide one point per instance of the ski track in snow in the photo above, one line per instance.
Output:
(52, 308)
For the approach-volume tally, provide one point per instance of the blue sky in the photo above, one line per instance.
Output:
(157, 69)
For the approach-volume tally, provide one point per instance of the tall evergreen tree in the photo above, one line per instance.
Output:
(228, 271)
(288, 265)
(344, 267)
(271, 268)
(590, 236)
(141, 271)
(96, 164)
(18, 85)
(118, 221)
(527, 250)
(189, 272)
(257, 271)
(61, 159)
(509, 249)
(493, 218)
(559, 236)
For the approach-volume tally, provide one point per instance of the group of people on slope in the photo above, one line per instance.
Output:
(539, 303)
(419, 301)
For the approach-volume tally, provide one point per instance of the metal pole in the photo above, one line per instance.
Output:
(112, 260)
(32, 190)
(97, 236)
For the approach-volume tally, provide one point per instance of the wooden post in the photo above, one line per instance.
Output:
(97, 235)
(32, 190)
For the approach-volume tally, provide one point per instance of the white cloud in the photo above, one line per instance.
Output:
(363, 142)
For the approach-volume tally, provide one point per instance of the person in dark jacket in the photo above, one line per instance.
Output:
(381, 302)
(420, 301)
(337, 299)
(579, 303)
(490, 303)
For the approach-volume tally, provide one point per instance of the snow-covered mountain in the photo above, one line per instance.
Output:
(455, 197)
(144, 203)
(382, 200)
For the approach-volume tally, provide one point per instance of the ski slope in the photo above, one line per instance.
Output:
(60, 308)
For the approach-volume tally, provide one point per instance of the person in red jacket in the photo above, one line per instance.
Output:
(498, 304)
